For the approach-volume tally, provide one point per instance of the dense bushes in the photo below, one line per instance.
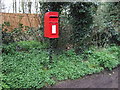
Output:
(32, 69)
(81, 25)
(85, 24)
(106, 57)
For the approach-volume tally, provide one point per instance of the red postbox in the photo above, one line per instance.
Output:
(51, 25)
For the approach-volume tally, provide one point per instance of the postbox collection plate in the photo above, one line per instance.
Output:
(53, 29)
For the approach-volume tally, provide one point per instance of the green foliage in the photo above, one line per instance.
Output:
(70, 53)
(71, 69)
(115, 49)
(85, 24)
(6, 24)
(105, 27)
(33, 69)
(26, 64)
(81, 21)
(20, 25)
(11, 48)
(28, 45)
(107, 58)
(26, 69)
(114, 9)
(3, 84)
(23, 46)
(21, 33)
(7, 37)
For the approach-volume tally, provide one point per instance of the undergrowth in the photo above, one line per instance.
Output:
(32, 69)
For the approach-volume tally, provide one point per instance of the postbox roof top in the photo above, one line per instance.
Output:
(52, 13)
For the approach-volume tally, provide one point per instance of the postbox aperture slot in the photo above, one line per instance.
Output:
(53, 17)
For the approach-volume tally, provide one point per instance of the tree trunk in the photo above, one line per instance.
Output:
(15, 6)
(36, 6)
(29, 6)
(23, 7)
